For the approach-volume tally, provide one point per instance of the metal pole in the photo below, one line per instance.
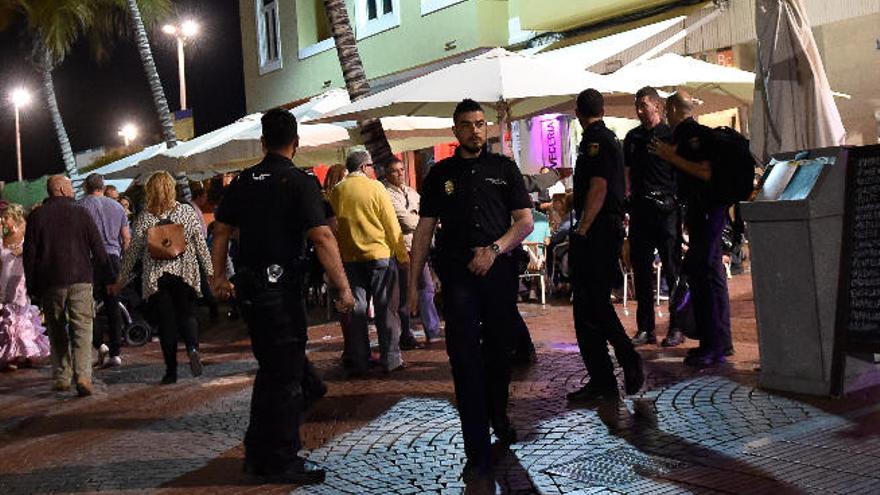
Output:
(182, 73)
(18, 142)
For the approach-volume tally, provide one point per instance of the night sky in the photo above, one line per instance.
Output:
(97, 98)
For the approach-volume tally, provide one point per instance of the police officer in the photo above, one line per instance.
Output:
(654, 220)
(595, 244)
(473, 195)
(692, 154)
(276, 207)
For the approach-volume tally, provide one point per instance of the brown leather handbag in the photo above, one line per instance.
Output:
(166, 240)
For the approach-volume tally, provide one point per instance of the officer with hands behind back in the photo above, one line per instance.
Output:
(594, 249)
(276, 207)
(474, 195)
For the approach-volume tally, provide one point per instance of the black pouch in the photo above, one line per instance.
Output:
(520, 260)
(661, 202)
(248, 283)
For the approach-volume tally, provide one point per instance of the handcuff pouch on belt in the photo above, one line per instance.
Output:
(250, 282)
(659, 201)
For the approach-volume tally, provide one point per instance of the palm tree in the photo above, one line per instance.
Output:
(146, 53)
(159, 100)
(53, 26)
(356, 81)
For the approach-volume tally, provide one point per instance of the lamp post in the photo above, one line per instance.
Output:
(19, 97)
(185, 31)
(128, 132)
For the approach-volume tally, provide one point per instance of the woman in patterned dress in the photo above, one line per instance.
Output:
(170, 286)
(22, 335)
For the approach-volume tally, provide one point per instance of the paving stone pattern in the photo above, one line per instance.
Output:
(689, 432)
(689, 437)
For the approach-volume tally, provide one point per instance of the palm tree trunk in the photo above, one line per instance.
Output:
(45, 66)
(159, 100)
(356, 82)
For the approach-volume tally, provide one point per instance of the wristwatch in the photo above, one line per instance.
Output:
(495, 248)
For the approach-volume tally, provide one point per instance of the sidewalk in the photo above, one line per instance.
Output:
(690, 432)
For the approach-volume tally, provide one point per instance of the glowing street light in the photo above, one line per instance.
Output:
(129, 133)
(187, 30)
(19, 97)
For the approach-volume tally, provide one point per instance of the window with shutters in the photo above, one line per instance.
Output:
(268, 35)
(312, 28)
(375, 16)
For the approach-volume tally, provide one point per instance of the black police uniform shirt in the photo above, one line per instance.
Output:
(649, 175)
(599, 155)
(273, 204)
(473, 199)
(694, 142)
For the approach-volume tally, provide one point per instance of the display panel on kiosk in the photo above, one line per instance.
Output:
(792, 177)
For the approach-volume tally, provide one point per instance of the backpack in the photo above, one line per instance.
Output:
(734, 171)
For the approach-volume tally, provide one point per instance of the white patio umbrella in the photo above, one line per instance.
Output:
(235, 147)
(511, 84)
(794, 105)
(109, 170)
(716, 87)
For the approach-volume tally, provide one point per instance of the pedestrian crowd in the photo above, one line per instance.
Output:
(383, 250)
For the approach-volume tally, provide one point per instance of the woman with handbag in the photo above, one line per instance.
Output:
(167, 240)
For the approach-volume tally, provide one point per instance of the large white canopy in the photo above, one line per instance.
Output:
(714, 86)
(496, 79)
(589, 53)
(108, 170)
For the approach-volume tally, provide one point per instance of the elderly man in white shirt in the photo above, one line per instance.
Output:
(406, 205)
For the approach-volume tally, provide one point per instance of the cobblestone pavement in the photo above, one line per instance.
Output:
(689, 432)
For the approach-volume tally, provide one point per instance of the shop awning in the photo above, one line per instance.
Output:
(564, 15)
(590, 53)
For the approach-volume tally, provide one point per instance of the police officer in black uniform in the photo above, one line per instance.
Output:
(474, 194)
(654, 219)
(595, 245)
(692, 154)
(276, 207)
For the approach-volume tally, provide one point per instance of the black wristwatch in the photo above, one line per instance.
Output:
(495, 248)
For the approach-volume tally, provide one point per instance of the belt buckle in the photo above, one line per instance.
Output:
(274, 273)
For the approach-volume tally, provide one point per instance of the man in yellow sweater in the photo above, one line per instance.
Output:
(371, 244)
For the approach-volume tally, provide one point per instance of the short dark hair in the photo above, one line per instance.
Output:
(682, 101)
(648, 91)
(590, 103)
(197, 189)
(279, 128)
(94, 182)
(466, 105)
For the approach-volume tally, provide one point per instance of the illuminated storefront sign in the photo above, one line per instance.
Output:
(551, 146)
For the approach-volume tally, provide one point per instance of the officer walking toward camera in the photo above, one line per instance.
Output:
(276, 207)
(474, 195)
(654, 221)
(595, 245)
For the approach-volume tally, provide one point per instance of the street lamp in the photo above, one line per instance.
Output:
(128, 132)
(185, 31)
(19, 97)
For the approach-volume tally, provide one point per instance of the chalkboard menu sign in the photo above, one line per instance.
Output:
(858, 299)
